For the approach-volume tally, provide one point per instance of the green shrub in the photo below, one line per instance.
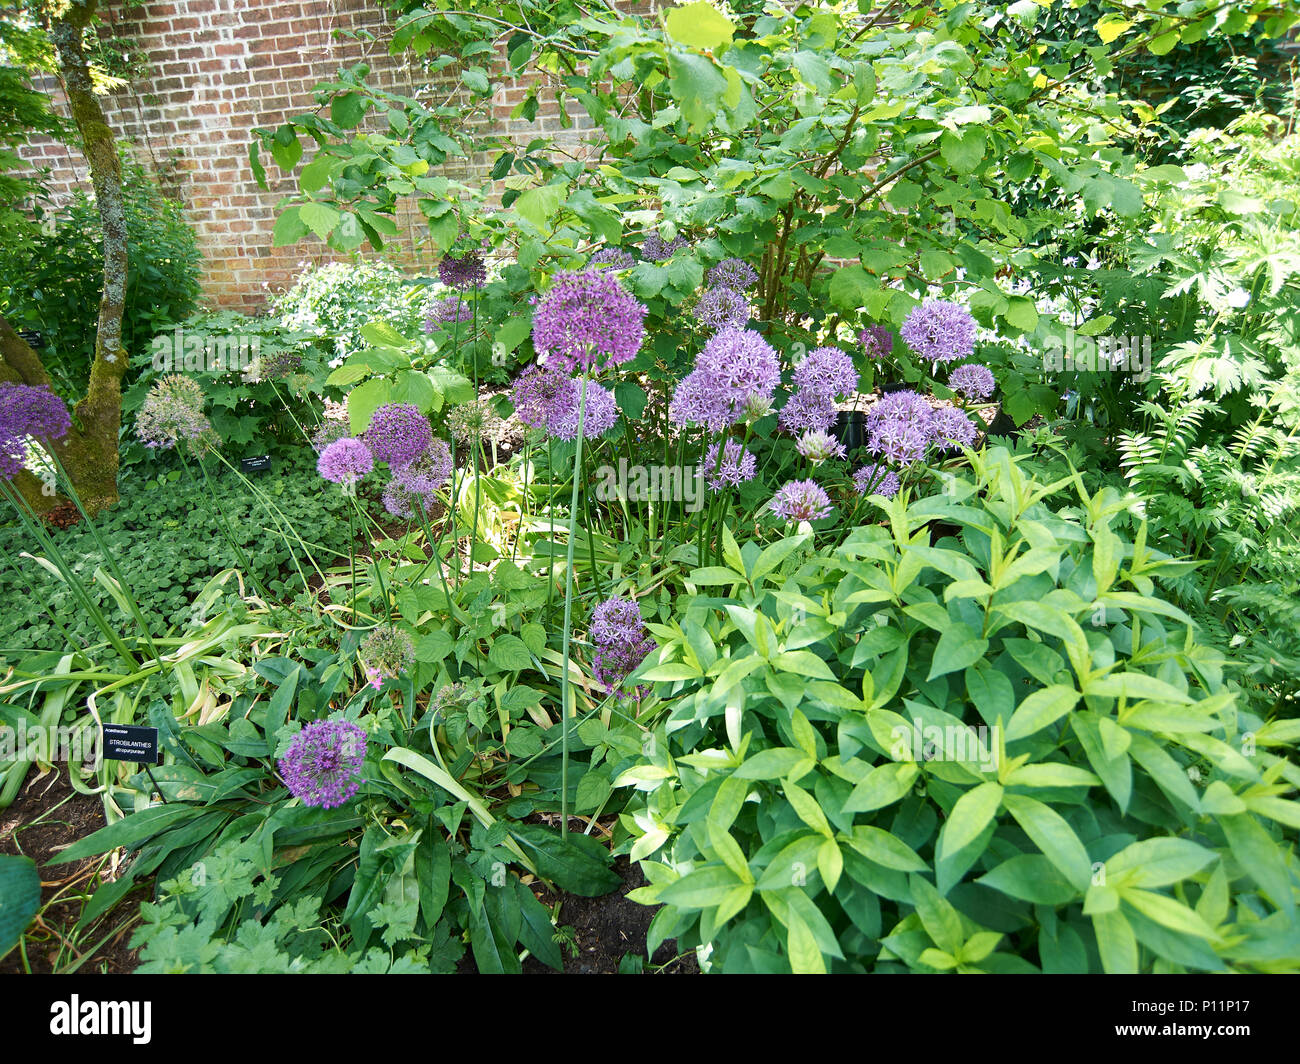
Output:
(990, 746)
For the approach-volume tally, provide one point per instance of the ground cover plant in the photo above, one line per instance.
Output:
(857, 493)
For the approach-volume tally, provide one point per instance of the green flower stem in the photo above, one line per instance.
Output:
(568, 615)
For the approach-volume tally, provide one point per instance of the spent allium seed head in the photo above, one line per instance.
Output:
(462, 273)
(801, 500)
(733, 273)
(939, 331)
(818, 446)
(387, 652)
(655, 249)
(331, 429)
(898, 441)
(475, 422)
(876, 480)
(721, 308)
(972, 381)
(738, 465)
(599, 418)
(828, 372)
(613, 259)
(588, 321)
(534, 392)
(345, 461)
(172, 413)
(877, 341)
(951, 428)
(323, 763)
(806, 411)
(398, 433)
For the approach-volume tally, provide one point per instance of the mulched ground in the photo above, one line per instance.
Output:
(47, 817)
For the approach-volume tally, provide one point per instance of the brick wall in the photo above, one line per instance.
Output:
(215, 70)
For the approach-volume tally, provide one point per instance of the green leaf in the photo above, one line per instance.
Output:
(959, 647)
(1031, 877)
(775, 763)
(884, 849)
(1053, 836)
(509, 652)
(939, 918)
(699, 25)
(576, 863)
(1040, 709)
(697, 86)
(346, 110)
(1157, 862)
(1116, 943)
(963, 151)
(320, 218)
(20, 898)
(1166, 911)
(289, 228)
(129, 832)
(884, 785)
(540, 205)
(805, 955)
(969, 817)
(702, 888)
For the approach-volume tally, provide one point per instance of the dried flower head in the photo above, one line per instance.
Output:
(476, 422)
(172, 413)
(387, 652)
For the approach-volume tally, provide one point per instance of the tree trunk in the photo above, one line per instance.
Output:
(89, 451)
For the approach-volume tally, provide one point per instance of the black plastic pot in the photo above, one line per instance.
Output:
(851, 428)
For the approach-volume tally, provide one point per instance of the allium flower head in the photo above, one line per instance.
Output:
(801, 500)
(877, 341)
(418, 481)
(613, 259)
(534, 392)
(737, 465)
(475, 422)
(897, 441)
(972, 381)
(450, 310)
(398, 433)
(387, 652)
(617, 620)
(950, 427)
(819, 446)
(323, 763)
(828, 372)
(735, 366)
(807, 411)
(939, 331)
(462, 273)
(331, 429)
(33, 411)
(587, 321)
(655, 249)
(621, 643)
(172, 412)
(876, 479)
(345, 461)
(736, 274)
(721, 308)
(906, 405)
(600, 416)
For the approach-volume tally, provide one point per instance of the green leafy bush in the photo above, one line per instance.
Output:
(975, 738)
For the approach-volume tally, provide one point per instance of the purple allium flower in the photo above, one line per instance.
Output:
(939, 331)
(450, 310)
(801, 500)
(654, 249)
(534, 392)
(32, 411)
(345, 461)
(818, 446)
(898, 441)
(876, 479)
(738, 465)
(418, 481)
(172, 412)
(398, 433)
(600, 417)
(733, 273)
(807, 411)
(586, 315)
(613, 259)
(735, 366)
(907, 406)
(721, 308)
(462, 273)
(323, 763)
(972, 381)
(621, 643)
(877, 341)
(828, 372)
(950, 427)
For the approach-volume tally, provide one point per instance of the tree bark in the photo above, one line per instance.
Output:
(89, 451)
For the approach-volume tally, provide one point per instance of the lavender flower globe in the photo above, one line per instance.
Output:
(736, 368)
(613, 259)
(588, 321)
(323, 764)
(462, 273)
(398, 433)
(736, 466)
(733, 273)
(876, 480)
(807, 412)
(827, 372)
(418, 481)
(601, 413)
(25, 411)
(617, 620)
(655, 249)
(877, 341)
(534, 392)
(345, 461)
(972, 381)
(939, 331)
(801, 500)
(621, 643)
(721, 308)
(897, 441)
(950, 428)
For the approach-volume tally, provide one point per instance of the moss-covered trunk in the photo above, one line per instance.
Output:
(89, 452)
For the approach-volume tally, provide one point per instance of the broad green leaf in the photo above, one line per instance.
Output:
(969, 817)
